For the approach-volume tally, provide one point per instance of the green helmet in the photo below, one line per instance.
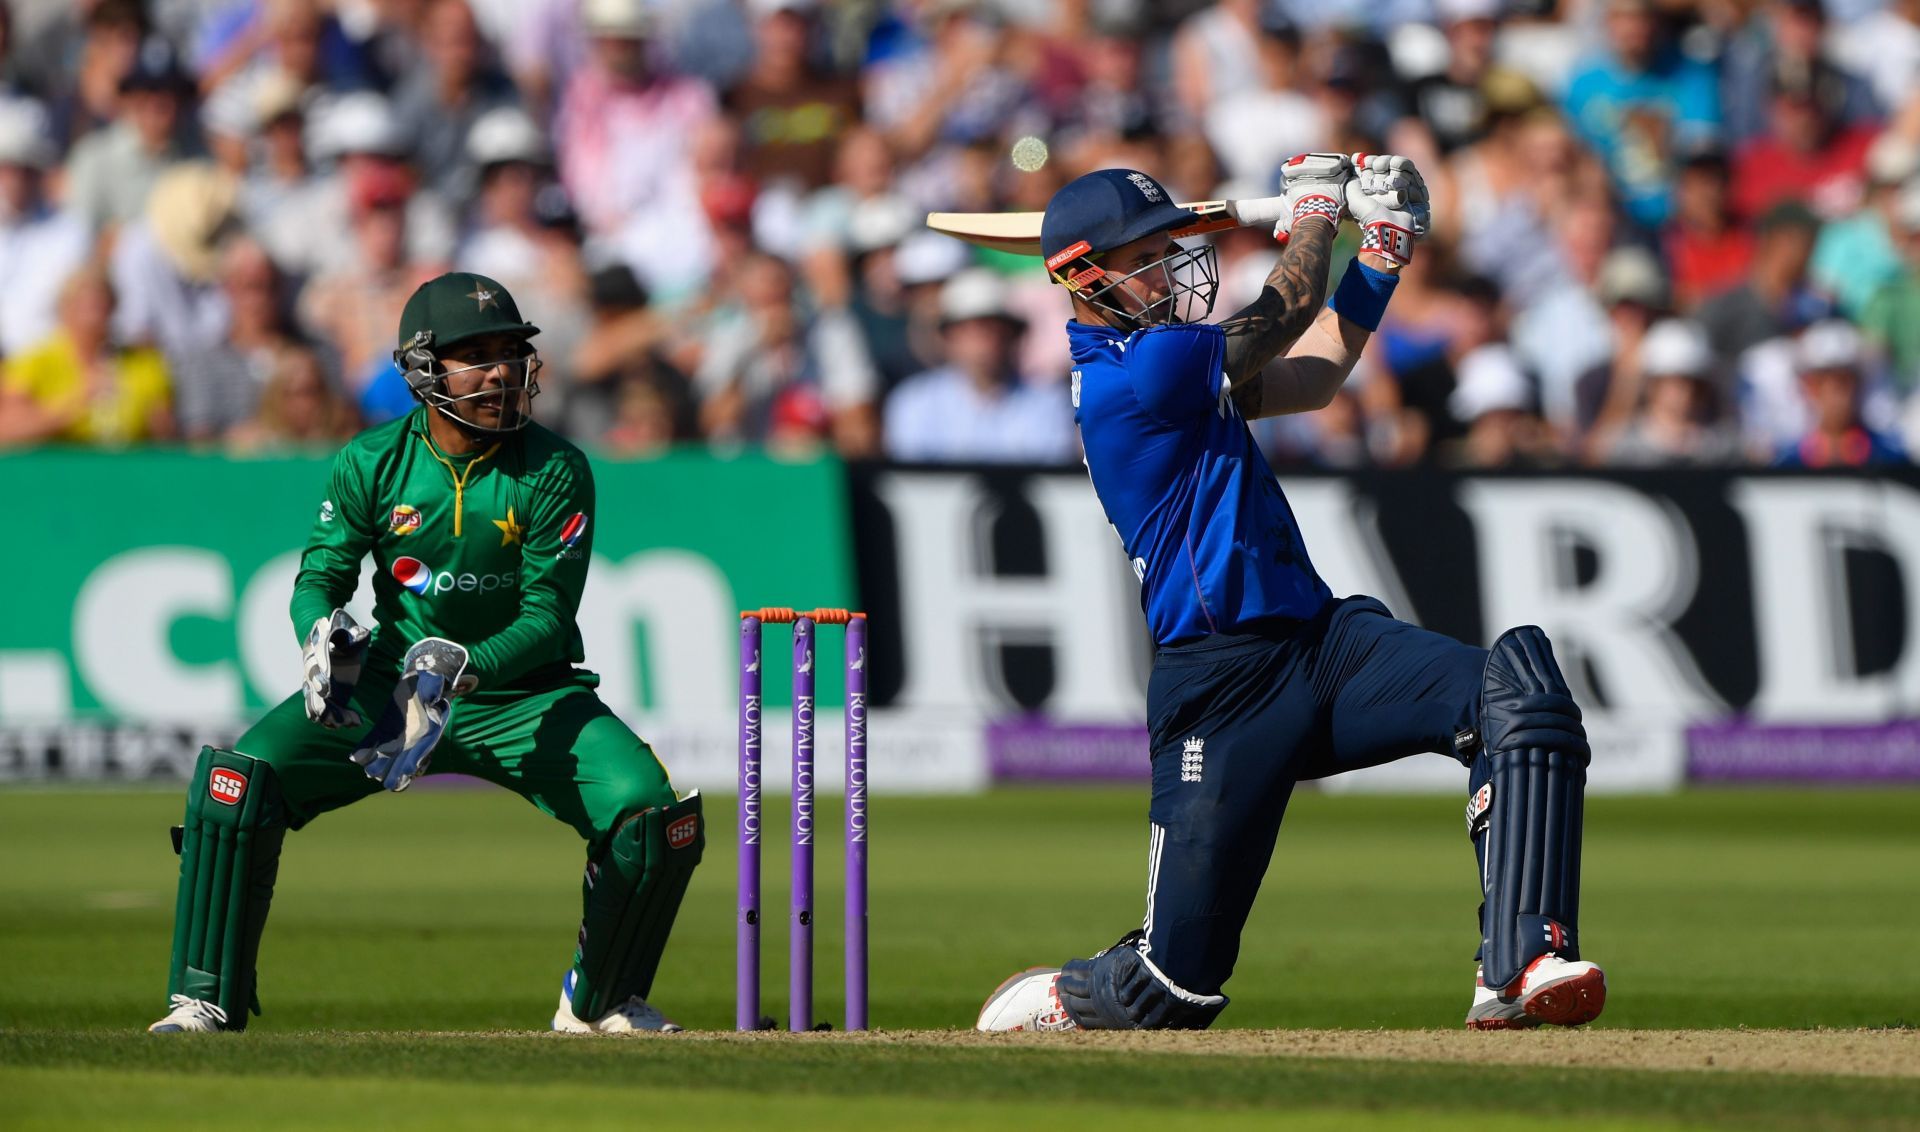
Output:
(450, 309)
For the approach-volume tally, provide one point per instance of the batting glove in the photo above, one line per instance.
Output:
(336, 648)
(1316, 185)
(1387, 197)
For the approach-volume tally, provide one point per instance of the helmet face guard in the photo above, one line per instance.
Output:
(428, 378)
(1187, 279)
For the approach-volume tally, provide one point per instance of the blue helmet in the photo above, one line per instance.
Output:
(1105, 209)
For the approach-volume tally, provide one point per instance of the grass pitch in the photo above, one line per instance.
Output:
(417, 941)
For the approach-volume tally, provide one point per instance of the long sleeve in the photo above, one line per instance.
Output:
(343, 533)
(555, 551)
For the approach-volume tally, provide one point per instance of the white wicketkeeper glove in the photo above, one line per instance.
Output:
(336, 648)
(1387, 197)
(1316, 185)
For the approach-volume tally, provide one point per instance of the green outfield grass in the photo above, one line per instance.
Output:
(456, 910)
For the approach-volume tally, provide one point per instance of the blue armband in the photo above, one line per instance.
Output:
(1362, 295)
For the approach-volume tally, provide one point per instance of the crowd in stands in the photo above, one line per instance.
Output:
(1666, 232)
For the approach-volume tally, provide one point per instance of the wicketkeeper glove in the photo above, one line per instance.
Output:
(1316, 185)
(1387, 197)
(336, 648)
(400, 746)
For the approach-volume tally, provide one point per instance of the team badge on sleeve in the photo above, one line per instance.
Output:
(570, 534)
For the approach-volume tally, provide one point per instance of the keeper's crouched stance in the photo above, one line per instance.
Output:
(1262, 678)
(480, 525)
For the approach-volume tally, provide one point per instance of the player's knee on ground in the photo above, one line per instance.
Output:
(1525, 806)
(229, 857)
(632, 892)
(1121, 989)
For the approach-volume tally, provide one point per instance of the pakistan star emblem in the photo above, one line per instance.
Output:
(509, 528)
(484, 297)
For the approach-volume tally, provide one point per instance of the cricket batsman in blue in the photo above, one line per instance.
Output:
(1262, 678)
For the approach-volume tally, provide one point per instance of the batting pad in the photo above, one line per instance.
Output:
(229, 857)
(632, 893)
(1529, 787)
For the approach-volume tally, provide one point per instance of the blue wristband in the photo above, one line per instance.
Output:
(1362, 295)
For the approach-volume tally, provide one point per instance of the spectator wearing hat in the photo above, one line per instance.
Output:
(791, 110)
(1830, 363)
(1678, 419)
(1494, 400)
(875, 293)
(1776, 297)
(977, 407)
(1638, 103)
(1633, 290)
(78, 386)
(1808, 153)
(439, 102)
(1859, 253)
(1784, 42)
(1706, 247)
(165, 265)
(1891, 320)
(40, 244)
(626, 128)
(113, 169)
(280, 178)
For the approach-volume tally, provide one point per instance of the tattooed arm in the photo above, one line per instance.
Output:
(1288, 304)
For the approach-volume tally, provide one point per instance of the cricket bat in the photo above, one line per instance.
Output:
(1019, 232)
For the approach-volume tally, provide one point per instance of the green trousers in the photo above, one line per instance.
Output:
(559, 748)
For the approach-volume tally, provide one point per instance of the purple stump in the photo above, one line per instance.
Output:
(857, 823)
(800, 951)
(746, 985)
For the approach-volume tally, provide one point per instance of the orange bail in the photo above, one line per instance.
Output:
(781, 615)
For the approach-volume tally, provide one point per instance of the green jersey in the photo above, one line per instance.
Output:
(488, 549)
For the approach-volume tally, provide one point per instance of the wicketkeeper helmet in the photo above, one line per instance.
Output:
(453, 308)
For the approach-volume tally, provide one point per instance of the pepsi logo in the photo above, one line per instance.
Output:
(412, 573)
(226, 786)
(680, 833)
(574, 527)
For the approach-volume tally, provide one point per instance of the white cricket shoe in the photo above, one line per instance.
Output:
(1492, 1010)
(190, 1016)
(1561, 992)
(633, 1016)
(1029, 1000)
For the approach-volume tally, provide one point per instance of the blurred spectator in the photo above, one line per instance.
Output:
(114, 168)
(218, 387)
(1357, 97)
(1807, 154)
(1706, 248)
(623, 390)
(1883, 46)
(1451, 105)
(299, 38)
(40, 245)
(166, 264)
(1105, 95)
(791, 111)
(625, 128)
(355, 309)
(1677, 421)
(1561, 331)
(77, 386)
(770, 374)
(1829, 361)
(1257, 127)
(1783, 41)
(278, 188)
(1858, 254)
(1775, 297)
(1217, 51)
(1492, 199)
(440, 99)
(1495, 401)
(1638, 103)
(298, 406)
(1891, 320)
(77, 60)
(952, 88)
(978, 407)
(1634, 294)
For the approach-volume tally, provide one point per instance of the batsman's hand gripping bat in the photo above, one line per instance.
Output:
(1019, 232)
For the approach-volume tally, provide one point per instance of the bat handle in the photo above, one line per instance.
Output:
(1258, 210)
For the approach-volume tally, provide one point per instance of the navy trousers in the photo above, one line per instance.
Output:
(1237, 720)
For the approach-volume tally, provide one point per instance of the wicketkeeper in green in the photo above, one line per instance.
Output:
(480, 523)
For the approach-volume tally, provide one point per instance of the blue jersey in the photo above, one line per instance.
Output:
(1209, 532)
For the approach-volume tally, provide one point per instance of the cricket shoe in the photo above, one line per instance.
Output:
(1562, 992)
(1029, 1000)
(633, 1016)
(1492, 1010)
(190, 1016)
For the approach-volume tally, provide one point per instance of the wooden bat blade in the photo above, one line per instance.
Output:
(1019, 232)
